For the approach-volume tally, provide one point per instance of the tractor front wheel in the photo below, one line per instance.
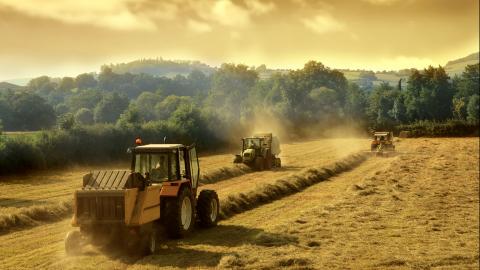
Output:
(179, 214)
(73, 242)
(208, 208)
(149, 243)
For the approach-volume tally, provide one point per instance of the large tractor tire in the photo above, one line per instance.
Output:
(73, 242)
(208, 208)
(268, 161)
(179, 214)
(238, 159)
(259, 163)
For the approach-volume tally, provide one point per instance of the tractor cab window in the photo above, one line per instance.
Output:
(157, 167)
(252, 143)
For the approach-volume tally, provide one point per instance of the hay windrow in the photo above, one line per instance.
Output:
(36, 215)
(238, 203)
(234, 204)
(224, 173)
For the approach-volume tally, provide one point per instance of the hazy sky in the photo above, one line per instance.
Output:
(67, 37)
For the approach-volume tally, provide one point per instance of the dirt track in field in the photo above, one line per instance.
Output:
(418, 209)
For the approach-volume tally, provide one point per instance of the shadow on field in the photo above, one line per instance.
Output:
(202, 248)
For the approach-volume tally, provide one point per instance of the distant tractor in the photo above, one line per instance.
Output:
(129, 207)
(260, 152)
(382, 142)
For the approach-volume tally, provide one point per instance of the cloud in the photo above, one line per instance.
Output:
(106, 13)
(227, 13)
(322, 24)
(155, 10)
(381, 2)
(258, 7)
(199, 27)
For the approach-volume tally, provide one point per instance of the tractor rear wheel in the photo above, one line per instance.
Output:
(208, 208)
(179, 214)
(73, 242)
(268, 161)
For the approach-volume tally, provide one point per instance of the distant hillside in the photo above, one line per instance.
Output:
(9, 86)
(19, 81)
(160, 67)
(457, 66)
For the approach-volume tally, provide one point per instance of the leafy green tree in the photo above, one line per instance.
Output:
(61, 109)
(429, 95)
(85, 81)
(31, 112)
(169, 105)
(380, 105)
(6, 113)
(473, 109)
(41, 85)
(398, 111)
(460, 107)
(66, 84)
(110, 108)
(130, 118)
(323, 104)
(468, 84)
(230, 88)
(66, 121)
(88, 98)
(84, 116)
(356, 103)
(146, 103)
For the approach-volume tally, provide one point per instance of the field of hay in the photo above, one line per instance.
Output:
(416, 209)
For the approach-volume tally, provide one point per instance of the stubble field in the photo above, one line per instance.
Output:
(416, 209)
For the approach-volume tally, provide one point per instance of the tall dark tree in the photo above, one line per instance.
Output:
(31, 112)
(85, 81)
(110, 108)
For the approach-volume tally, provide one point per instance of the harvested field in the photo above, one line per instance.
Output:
(417, 209)
(20, 196)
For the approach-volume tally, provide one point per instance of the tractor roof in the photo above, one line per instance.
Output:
(262, 135)
(153, 147)
(382, 133)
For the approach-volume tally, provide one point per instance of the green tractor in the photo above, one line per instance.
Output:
(260, 152)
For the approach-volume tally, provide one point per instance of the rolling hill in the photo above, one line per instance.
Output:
(457, 66)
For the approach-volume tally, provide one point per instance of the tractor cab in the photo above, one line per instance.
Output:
(159, 163)
(260, 151)
(159, 190)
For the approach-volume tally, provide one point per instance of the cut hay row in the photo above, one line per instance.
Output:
(35, 215)
(238, 203)
(224, 173)
(234, 204)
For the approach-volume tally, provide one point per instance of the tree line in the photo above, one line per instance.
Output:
(229, 99)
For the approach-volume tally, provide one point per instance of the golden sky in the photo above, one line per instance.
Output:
(67, 37)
